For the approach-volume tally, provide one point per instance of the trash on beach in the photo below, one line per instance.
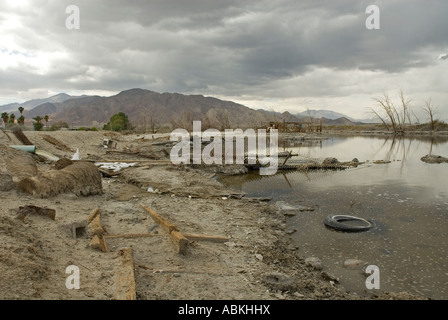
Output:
(114, 166)
(77, 155)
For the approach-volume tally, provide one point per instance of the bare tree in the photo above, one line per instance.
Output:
(431, 111)
(223, 120)
(393, 116)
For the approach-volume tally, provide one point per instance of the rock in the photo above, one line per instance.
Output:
(314, 262)
(329, 276)
(6, 183)
(330, 160)
(430, 158)
(259, 256)
(354, 263)
(282, 205)
(355, 160)
(279, 281)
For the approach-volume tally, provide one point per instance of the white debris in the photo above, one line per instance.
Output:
(77, 155)
(114, 166)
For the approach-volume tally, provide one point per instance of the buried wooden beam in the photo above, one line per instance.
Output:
(179, 239)
(130, 235)
(204, 237)
(124, 277)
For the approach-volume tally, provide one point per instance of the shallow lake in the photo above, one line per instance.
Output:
(407, 199)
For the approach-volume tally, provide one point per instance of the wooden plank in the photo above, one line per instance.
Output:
(124, 277)
(178, 238)
(204, 237)
(168, 226)
(130, 235)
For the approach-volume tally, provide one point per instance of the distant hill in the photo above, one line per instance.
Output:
(166, 109)
(328, 114)
(31, 104)
(146, 107)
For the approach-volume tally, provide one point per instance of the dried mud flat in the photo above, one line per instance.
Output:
(255, 262)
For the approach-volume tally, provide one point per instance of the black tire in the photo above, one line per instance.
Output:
(336, 222)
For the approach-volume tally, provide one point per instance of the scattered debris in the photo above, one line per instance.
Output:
(109, 144)
(77, 155)
(114, 166)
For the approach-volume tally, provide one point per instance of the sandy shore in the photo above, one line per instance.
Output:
(254, 261)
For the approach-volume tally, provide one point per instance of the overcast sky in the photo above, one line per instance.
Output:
(282, 55)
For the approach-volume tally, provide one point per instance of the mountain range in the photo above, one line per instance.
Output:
(145, 108)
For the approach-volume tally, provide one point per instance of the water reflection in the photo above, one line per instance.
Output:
(406, 197)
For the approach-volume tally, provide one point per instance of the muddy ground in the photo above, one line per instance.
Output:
(255, 262)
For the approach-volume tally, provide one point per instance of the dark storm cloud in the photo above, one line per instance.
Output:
(224, 47)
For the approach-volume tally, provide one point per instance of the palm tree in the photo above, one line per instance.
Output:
(46, 118)
(21, 110)
(38, 125)
(5, 117)
(12, 118)
(21, 120)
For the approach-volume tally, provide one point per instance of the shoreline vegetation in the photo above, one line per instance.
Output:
(234, 247)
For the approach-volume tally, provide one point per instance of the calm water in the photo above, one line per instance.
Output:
(407, 199)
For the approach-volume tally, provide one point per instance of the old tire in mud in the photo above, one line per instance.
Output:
(336, 222)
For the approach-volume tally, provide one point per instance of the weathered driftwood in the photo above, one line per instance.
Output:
(95, 228)
(204, 237)
(124, 277)
(130, 235)
(81, 178)
(93, 214)
(178, 238)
